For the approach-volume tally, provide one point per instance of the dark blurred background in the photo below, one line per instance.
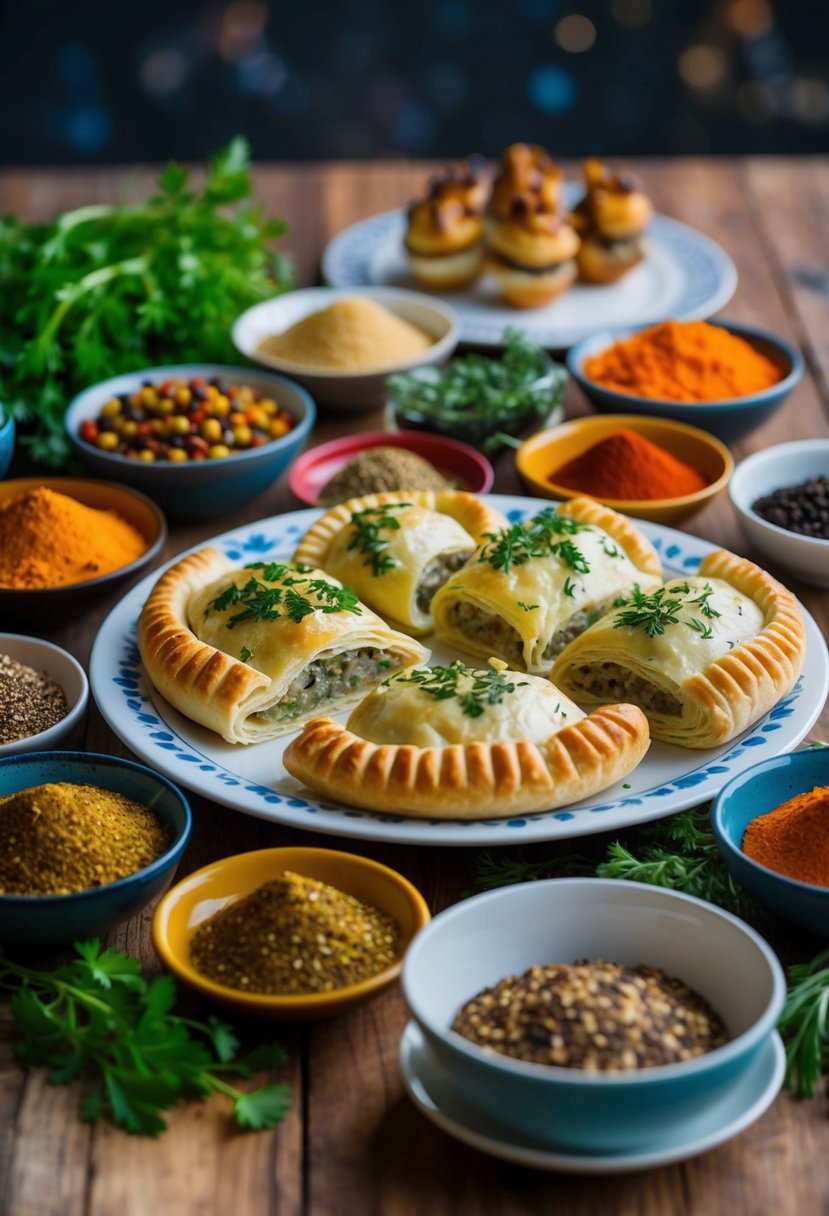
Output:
(107, 80)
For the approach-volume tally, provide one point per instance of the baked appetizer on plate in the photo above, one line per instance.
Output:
(532, 254)
(459, 743)
(445, 234)
(526, 171)
(396, 549)
(704, 656)
(253, 653)
(610, 220)
(532, 587)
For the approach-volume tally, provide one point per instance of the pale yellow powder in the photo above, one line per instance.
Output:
(351, 334)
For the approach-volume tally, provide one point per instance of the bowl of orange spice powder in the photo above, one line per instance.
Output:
(726, 378)
(772, 829)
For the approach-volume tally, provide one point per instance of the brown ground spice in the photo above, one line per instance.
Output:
(295, 935)
(59, 838)
(378, 469)
(30, 701)
(597, 1016)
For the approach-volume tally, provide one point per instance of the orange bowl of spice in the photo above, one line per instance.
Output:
(727, 378)
(650, 468)
(290, 933)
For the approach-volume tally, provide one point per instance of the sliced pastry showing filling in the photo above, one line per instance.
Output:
(532, 587)
(253, 653)
(397, 548)
(704, 657)
(463, 743)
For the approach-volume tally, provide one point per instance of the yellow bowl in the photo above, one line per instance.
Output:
(549, 449)
(201, 894)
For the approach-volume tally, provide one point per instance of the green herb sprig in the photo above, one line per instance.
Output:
(110, 289)
(804, 1024)
(258, 601)
(101, 1019)
(546, 535)
(479, 689)
(658, 609)
(368, 526)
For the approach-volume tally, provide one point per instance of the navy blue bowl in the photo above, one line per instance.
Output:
(7, 432)
(204, 488)
(755, 792)
(51, 920)
(729, 420)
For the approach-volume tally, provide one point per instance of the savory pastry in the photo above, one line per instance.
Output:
(610, 220)
(526, 171)
(396, 549)
(253, 653)
(459, 743)
(445, 234)
(704, 656)
(532, 587)
(532, 254)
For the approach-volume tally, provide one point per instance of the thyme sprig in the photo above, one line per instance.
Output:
(657, 609)
(475, 688)
(259, 602)
(547, 535)
(804, 1024)
(368, 526)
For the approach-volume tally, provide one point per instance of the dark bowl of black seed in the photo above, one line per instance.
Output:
(781, 496)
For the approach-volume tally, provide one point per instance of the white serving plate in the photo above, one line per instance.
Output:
(254, 781)
(685, 277)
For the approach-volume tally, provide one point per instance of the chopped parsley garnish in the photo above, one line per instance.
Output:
(547, 535)
(291, 594)
(527, 607)
(478, 690)
(660, 608)
(610, 549)
(246, 654)
(367, 538)
(705, 631)
(569, 587)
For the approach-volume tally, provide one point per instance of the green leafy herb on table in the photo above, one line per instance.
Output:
(110, 289)
(804, 1024)
(99, 1018)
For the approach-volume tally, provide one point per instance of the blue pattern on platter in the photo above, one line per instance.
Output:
(238, 778)
(687, 277)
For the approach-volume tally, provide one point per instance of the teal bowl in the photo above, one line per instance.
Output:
(755, 792)
(7, 434)
(480, 941)
(729, 420)
(199, 489)
(51, 920)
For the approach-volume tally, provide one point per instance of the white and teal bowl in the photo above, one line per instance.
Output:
(480, 941)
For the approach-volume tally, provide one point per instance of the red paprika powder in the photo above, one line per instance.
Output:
(625, 465)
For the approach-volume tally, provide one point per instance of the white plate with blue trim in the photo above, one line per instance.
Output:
(433, 1091)
(685, 277)
(253, 780)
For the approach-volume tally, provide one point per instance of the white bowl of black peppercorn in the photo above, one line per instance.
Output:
(782, 501)
(30, 706)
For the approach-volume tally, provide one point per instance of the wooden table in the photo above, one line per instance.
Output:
(353, 1145)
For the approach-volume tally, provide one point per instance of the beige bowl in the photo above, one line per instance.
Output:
(361, 390)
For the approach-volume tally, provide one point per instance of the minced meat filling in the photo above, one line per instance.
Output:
(611, 681)
(436, 573)
(489, 630)
(326, 679)
(572, 628)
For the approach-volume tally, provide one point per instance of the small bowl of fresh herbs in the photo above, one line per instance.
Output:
(482, 400)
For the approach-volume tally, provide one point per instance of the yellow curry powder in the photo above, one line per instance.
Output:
(350, 335)
(59, 838)
(50, 540)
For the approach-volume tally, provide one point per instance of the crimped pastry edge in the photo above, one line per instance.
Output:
(637, 547)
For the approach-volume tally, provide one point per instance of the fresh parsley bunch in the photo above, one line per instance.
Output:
(100, 1018)
(110, 289)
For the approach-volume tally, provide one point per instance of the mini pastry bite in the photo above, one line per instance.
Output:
(532, 254)
(526, 171)
(253, 653)
(460, 743)
(532, 587)
(397, 549)
(704, 656)
(445, 235)
(610, 220)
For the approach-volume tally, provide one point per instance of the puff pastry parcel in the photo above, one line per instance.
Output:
(396, 549)
(253, 653)
(532, 587)
(704, 657)
(459, 743)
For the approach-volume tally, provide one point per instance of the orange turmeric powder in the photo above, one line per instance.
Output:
(50, 540)
(686, 361)
(793, 840)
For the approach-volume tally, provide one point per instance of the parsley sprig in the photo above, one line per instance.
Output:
(291, 593)
(368, 527)
(547, 535)
(658, 609)
(101, 1019)
(475, 688)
